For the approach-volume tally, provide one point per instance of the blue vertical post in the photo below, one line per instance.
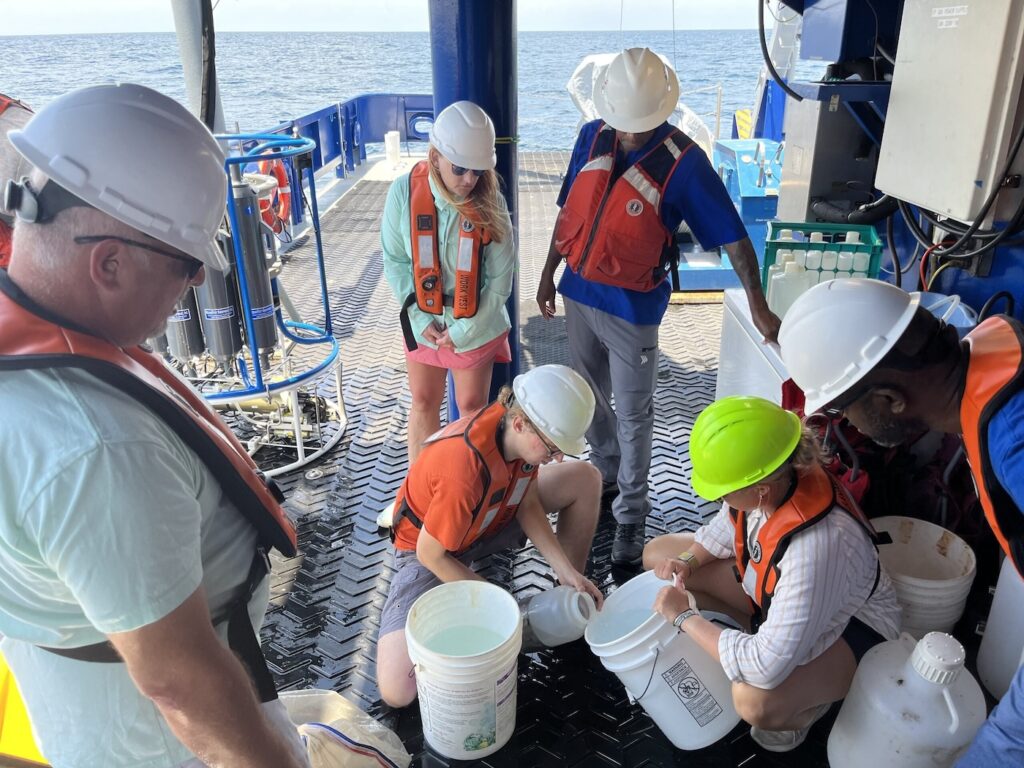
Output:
(473, 55)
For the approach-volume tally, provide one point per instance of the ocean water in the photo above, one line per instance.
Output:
(268, 77)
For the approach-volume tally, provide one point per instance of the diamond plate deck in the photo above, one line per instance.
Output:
(322, 626)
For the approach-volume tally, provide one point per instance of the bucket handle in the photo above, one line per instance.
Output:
(952, 710)
(654, 665)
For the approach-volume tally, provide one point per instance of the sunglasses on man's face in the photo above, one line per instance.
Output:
(192, 265)
(458, 170)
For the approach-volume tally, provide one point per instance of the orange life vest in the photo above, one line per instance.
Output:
(503, 484)
(610, 229)
(28, 340)
(817, 492)
(426, 261)
(6, 231)
(995, 373)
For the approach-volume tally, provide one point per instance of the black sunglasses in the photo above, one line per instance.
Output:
(193, 264)
(458, 170)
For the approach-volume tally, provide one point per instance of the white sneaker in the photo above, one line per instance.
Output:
(786, 741)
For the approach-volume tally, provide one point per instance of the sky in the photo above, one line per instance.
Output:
(69, 17)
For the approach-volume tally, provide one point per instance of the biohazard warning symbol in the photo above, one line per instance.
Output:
(467, 225)
(688, 688)
(634, 207)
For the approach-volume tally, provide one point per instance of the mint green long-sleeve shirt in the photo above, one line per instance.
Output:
(499, 265)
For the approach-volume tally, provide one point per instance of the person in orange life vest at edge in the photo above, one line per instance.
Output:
(632, 181)
(895, 371)
(13, 115)
(449, 257)
(812, 588)
(448, 513)
(133, 524)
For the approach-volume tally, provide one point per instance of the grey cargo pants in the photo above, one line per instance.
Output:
(618, 359)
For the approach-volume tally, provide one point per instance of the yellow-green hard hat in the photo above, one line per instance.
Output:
(739, 441)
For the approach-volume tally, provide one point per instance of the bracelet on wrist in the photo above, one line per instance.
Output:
(690, 559)
(678, 623)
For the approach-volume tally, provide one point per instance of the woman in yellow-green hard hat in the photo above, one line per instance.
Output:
(811, 588)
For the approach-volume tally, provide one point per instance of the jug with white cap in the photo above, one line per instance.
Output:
(911, 705)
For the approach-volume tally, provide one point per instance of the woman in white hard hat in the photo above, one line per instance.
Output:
(809, 581)
(478, 488)
(449, 258)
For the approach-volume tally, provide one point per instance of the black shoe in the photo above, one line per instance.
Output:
(628, 547)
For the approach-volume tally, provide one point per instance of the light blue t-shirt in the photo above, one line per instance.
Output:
(108, 522)
(499, 265)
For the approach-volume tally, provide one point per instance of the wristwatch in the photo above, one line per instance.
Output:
(690, 559)
(678, 623)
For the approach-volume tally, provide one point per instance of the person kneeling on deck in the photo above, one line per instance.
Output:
(478, 488)
(812, 587)
(133, 525)
(449, 257)
(633, 179)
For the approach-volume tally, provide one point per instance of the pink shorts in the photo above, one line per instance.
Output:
(494, 351)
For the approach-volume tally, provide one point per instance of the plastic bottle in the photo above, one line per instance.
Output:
(785, 235)
(817, 237)
(800, 256)
(861, 262)
(911, 705)
(782, 257)
(861, 275)
(829, 259)
(786, 286)
(844, 263)
(825, 275)
(853, 236)
(555, 616)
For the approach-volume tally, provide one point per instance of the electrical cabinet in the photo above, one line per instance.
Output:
(955, 92)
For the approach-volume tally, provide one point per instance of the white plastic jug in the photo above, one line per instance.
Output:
(786, 287)
(1002, 647)
(681, 687)
(392, 147)
(911, 705)
(556, 616)
(464, 639)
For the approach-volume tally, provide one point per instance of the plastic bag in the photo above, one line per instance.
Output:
(340, 735)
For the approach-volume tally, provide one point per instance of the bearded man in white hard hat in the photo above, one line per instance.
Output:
(869, 351)
(133, 525)
(632, 181)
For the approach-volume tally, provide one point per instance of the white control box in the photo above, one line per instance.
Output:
(955, 92)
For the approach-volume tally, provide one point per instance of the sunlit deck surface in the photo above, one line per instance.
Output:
(322, 628)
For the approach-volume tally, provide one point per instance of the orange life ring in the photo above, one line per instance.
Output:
(276, 212)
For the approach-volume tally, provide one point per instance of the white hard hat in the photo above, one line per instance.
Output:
(138, 156)
(464, 134)
(838, 331)
(558, 402)
(638, 91)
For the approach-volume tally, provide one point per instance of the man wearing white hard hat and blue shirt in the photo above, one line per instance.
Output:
(132, 523)
(632, 181)
(866, 350)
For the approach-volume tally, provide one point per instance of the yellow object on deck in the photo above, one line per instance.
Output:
(15, 731)
(743, 123)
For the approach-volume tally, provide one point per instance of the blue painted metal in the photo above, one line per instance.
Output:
(844, 30)
(1006, 273)
(845, 90)
(285, 148)
(473, 56)
(769, 123)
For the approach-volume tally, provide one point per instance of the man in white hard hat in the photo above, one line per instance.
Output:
(132, 523)
(482, 485)
(868, 350)
(13, 114)
(632, 181)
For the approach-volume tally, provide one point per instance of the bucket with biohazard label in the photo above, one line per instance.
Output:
(681, 687)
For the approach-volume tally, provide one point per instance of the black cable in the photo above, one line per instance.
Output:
(208, 97)
(890, 235)
(767, 56)
(1010, 304)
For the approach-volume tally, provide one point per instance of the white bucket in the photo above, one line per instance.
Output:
(681, 687)
(464, 639)
(1002, 647)
(392, 141)
(932, 570)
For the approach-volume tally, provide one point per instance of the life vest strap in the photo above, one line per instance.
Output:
(406, 323)
(242, 637)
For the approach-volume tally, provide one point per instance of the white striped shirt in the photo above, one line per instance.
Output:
(826, 577)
